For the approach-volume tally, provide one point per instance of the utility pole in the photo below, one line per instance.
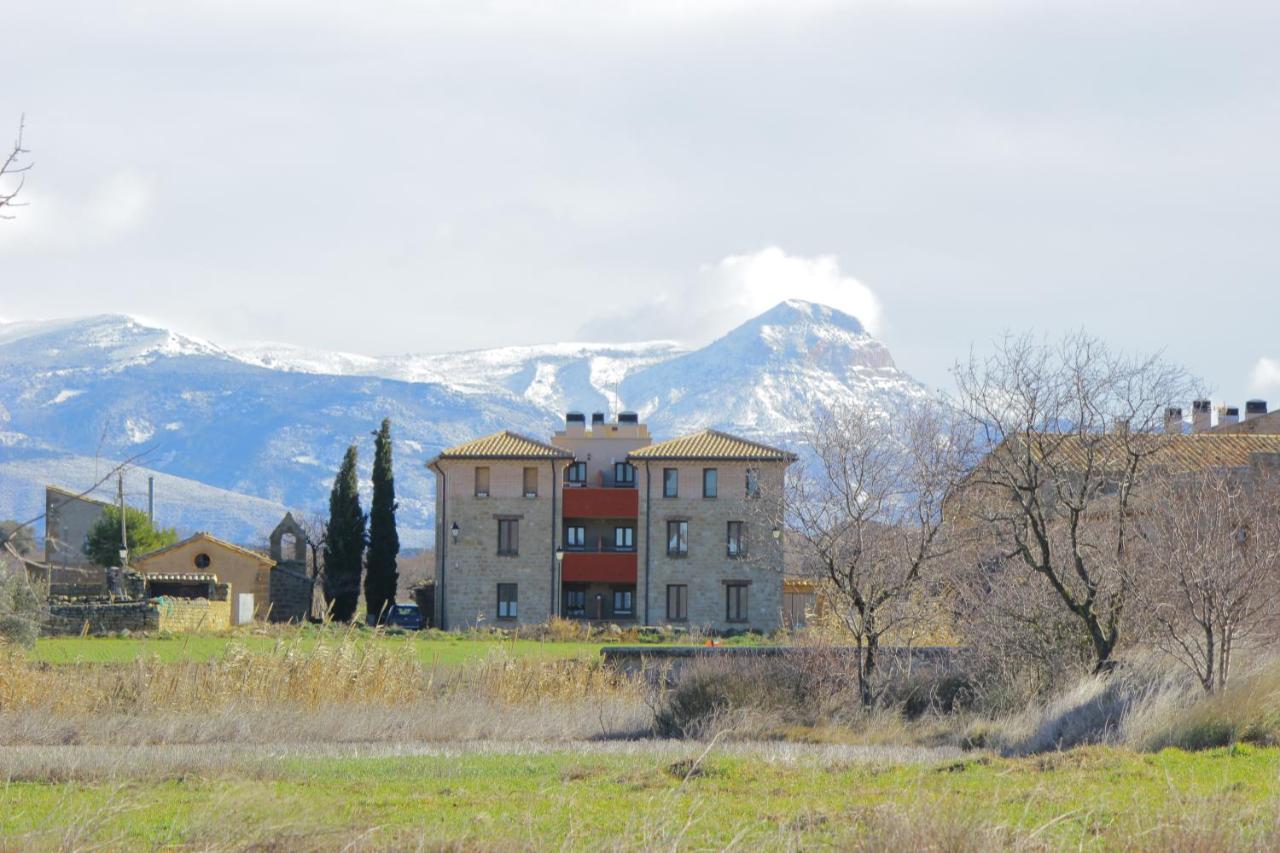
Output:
(151, 500)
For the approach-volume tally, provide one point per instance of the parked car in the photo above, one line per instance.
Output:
(406, 616)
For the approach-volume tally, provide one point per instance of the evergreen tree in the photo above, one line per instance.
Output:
(344, 542)
(103, 542)
(381, 577)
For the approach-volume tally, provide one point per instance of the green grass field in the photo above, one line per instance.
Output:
(431, 649)
(1095, 798)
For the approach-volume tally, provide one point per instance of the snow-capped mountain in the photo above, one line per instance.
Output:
(270, 422)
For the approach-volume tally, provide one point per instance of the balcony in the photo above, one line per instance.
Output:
(599, 566)
(601, 502)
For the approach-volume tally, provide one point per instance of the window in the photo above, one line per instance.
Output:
(530, 482)
(624, 538)
(482, 482)
(678, 538)
(737, 539)
(670, 482)
(575, 602)
(623, 602)
(507, 600)
(677, 602)
(202, 561)
(735, 602)
(509, 536)
(753, 482)
(575, 537)
(710, 484)
(624, 474)
(576, 473)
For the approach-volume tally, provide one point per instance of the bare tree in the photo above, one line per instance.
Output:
(868, 513)
(1075, 428)
(1213, 555)
(13, 175)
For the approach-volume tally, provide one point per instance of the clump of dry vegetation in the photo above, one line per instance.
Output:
(337, 691)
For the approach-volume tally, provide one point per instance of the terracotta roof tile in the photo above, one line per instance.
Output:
(712, 444)
(1177, 453)
(505, 445)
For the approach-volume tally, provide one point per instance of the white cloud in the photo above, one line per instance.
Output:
(758, 281)
(51, 221)
(738, 288)
(1266, 375)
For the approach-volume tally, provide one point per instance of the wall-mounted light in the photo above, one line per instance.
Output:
(559, 554)
(777, 533)
(454, 531)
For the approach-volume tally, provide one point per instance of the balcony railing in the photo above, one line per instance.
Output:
(599, 566)
(601, 502)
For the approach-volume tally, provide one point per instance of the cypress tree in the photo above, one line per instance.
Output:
(381, 577)
(344, 542)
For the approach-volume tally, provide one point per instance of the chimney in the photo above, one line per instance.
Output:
(1228, 415)
(628, 418)
(1201, 415)
(597, 419)
(1254, 409)
(575, 423)
(1173, 420)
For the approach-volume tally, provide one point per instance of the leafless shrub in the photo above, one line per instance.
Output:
(1212, 555)
(868, 515)
(1076, 428)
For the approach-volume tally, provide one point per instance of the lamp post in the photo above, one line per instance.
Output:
(559, 575)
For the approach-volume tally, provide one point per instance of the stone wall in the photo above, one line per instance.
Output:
(707, 569)
(100, 617)
(291, 594)
(473, 568)
(178, 615)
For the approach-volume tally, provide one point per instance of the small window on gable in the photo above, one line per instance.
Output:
(482, 482)
(530, 482)
(202, 561)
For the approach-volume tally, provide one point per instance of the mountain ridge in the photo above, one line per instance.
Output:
(251, 420)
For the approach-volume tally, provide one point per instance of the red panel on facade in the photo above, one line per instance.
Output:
(616, 567)
(601, 503)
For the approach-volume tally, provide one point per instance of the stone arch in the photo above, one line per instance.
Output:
(289, 541)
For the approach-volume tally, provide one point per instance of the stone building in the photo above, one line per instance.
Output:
(68, 519)
(602, 524)
(204, 554)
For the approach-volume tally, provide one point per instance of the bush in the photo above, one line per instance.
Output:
(21, 610)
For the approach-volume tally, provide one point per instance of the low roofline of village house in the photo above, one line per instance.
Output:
(206, 537)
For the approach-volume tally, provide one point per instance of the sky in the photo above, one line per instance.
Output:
(414, 176)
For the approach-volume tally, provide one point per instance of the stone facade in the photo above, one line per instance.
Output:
(291, 594)
(471, 567)
(707, 570)
(68, 520)
(616, 564)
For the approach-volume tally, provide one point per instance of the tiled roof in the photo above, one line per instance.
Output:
(505, 445)
(1176, 453)
(712, 444)
(213, 540)
(1268, 424)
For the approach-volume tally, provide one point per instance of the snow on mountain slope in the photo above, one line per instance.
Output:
(271, 421)
(549, 375)
(766, 378)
